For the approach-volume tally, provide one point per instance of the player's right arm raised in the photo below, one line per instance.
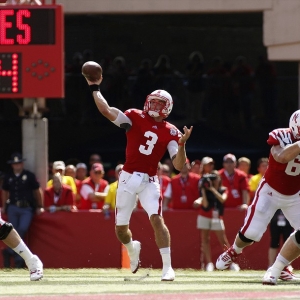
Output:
(111, 113)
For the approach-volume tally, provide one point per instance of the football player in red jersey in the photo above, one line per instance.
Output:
(148, 138)
(278, 189)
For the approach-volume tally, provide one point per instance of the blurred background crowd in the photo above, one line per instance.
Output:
(214, 65)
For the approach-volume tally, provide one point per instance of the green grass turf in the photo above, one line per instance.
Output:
(102, 281)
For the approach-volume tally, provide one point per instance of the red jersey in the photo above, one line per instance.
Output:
(184, 191)
(66, 196)
(164, 182)
(284, 178)
(235, 184)
(87, 203)
(147, 142)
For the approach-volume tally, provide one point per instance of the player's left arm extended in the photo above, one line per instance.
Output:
(180, 158)
(287, 153)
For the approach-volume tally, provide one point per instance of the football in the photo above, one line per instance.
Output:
(91, 71)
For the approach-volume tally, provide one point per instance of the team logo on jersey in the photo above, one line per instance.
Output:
(24, 177)
(155, 127)
(295, 117)
(173, 131)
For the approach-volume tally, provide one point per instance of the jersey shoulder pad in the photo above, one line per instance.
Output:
(280, 136)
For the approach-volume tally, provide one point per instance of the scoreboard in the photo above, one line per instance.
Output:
(31, 51)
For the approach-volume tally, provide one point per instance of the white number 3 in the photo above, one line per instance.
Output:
(293, 167)
(152, 139)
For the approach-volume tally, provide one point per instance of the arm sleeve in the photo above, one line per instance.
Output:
(172, 148)
(122, 120)
(86, 190)
(106, 189)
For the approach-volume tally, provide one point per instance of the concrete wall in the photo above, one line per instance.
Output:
(281, 34)
(164, 6)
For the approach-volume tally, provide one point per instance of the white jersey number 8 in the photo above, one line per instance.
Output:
(152, 139)
(293, 167)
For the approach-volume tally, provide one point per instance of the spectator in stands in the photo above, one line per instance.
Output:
(163, 73)
(164, 169)
(195, 86)
(144, 83)
(71, 171)
(50, 172)
(210, 216)
(110, 199)
(207, 165)
(58, 197)
(243, 88)
(81, 171)
(110, 175)
(94, 158)
(60, 167)
(236, 183)
(75, 66)
(21, 198)
(218, 102)
(196, 166)
(244, 164)
(184, 189)
(266, 77)
(94, 189)
(262, 165)
(168, 162)
(118, 73)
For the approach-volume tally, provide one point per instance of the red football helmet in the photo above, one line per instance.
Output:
(150, 105)
(295, 124)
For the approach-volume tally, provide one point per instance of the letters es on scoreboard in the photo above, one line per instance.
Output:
(27, 26)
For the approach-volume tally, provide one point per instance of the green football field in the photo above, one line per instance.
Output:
(121, 284)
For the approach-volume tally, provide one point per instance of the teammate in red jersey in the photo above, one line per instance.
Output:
(278, 189)
(148, 138)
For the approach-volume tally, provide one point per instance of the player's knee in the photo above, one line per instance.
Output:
(244, 239)
(156, 221)
(121, 231)
(5, 229)
(295, 236)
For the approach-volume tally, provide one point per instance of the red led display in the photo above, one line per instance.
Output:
(10, 79)
(27, 26)
(31, 51)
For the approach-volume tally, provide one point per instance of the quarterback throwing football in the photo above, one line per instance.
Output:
(148, 138)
